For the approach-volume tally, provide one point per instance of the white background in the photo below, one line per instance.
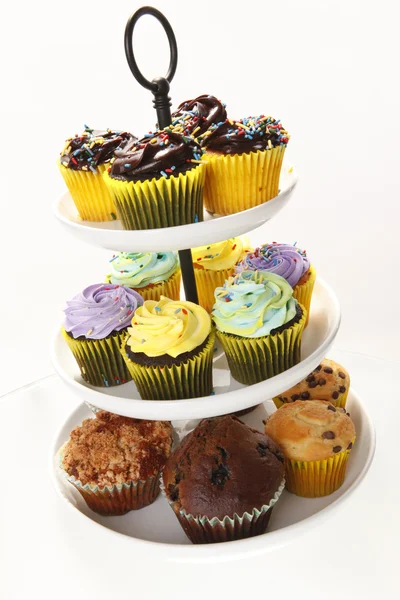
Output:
(328, 69)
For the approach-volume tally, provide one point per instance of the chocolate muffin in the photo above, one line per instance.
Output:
(223, 480)
(114, 462)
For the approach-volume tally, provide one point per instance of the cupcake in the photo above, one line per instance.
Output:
(194, 117)
(82, 163)
(158, 182)
(115, 462)
(223, 481)
(169, 350)
(244, 160)
(329, 381)
(96, 322)
(215, 263)
(288, 261)
(151, 274)
(316, 439)
(259, 324)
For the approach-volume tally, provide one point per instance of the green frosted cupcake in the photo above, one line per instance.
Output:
(259, 324)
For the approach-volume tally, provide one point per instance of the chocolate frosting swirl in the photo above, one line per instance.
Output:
(247, 135)
(195, 116)
(156, 155)
(94, 147)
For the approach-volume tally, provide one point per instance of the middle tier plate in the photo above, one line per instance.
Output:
(229, 395)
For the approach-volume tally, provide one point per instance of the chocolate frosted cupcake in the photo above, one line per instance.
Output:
(289, 262)
(158, 182)
(329, 381)
(151, 274)
(169, 350)
(223, 481)
(194, 117)
(259, 324)
(114, 462)
(244, 160)
(95, 324)
(316, 439)
(82, 163)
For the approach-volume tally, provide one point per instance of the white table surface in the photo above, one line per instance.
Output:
(48, 551)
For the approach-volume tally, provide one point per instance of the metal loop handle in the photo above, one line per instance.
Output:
(130, 57)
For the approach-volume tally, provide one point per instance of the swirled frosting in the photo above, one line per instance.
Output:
(246, 135)
(168, 327)
(139, 269)
(194, 117)
(93, 147)
(159, 154)
(282, 259)
(99, 310)
(221, 255)
(252, 304)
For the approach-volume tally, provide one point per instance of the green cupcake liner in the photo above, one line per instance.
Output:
(190, 379)
(100, 361)
(252, 360)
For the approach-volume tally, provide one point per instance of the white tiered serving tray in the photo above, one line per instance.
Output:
(230, 396)
(157, 528)
(111, 236)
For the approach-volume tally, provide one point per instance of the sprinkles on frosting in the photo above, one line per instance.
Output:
(251, 128)
(86, 151)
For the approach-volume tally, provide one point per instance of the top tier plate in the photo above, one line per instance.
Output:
(111, 236)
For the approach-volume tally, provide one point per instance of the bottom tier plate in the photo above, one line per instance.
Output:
(157, 526)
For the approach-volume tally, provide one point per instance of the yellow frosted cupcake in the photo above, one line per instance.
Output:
(259, 324)
(244, 160)
(151, 274)
(316, 439)
(169, 350)
(213, 264)
(82, 164)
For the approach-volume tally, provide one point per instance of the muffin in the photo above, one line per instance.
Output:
(114, 462)
(82, 163)
(169, 350)
(158, 182)
(215, 263)
(316, 439)
(329, 381)
(288, 261)
(96, 322)
(244, 160)
(223, 481)
(151, 274)
(194, 117)
(259, 324)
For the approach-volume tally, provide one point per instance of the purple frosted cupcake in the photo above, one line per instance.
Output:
(96, 321)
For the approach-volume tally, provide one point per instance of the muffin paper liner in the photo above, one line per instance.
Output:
(207, 281)
(203, 530)
(170, 288)
(90, 194)
(303, 293)
(312, 479)
(119, 498)
(156, 203)
(339, 403)
(252, 360)
(236, 182)
(100, 361)
(190, 379)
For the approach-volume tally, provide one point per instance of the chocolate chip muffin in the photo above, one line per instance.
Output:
(223, 480)
(316, 439)
(115, 462)
(329, 381)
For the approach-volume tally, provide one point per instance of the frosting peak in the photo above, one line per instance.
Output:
(221, 255)
(285, 260)
(140, 269)
(194, 117)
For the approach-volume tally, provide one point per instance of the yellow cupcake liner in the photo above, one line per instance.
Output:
(315, 478)
(90, 194)
(170, 288)
(100, 361)
(156, 203)
(303, 292)
(252, 360)
(339, 403)
(190, 379)
(207, 281)
(236, 182)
